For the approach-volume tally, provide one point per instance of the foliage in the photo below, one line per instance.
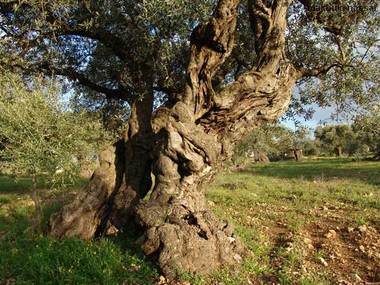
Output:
(311, 147)
(349, 43)
(275, 140)
(104, 47)
(109, 46)
(367, 127)
(41, 136)
(359, 139)
(335, 138)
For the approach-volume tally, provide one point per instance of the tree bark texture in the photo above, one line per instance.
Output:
(297, 154)
(122, 179)
(183, 145)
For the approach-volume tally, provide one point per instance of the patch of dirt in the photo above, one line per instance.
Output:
(351, 255)
(328, 244)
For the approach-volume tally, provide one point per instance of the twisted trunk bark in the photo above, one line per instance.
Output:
(195, 135)
(122, 179)
(189, 141)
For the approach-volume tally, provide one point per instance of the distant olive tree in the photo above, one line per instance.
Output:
(367, 128)
(335, 138)
(274, 140)
(40, 136)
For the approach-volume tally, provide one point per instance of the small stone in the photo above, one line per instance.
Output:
(238, 258)
(231, 239)
(357, 277)
(350, 229)
(362, 249)
(324, 208)
(323, 261)
(112, 231)
(289, 246)
(363, 228)
(331, 234)
(307, 241)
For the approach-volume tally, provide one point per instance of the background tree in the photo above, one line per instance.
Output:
(263, 142)
(367, 128)
(335, 138)
(41, 138)
(274, 140)
(240, 69)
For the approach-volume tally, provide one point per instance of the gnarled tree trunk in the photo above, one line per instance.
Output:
(116, 187)
(185, 146)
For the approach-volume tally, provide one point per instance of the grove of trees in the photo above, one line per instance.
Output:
(277, 142)
(195, 77)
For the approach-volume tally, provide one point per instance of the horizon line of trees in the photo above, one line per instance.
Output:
(273, 142)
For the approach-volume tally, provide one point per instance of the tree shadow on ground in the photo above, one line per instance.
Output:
(325, 170)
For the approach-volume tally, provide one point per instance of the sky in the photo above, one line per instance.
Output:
(321, 115)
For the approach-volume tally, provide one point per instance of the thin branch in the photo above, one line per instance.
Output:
(315, 72)
(118, 94)
(110, 41)
(114, 43)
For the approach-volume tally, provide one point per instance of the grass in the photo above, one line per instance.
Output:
(10, 185)
(42, 260)
(273, 207)
(29, 259)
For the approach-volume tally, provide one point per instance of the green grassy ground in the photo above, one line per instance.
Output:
(314, 222)
(285, 211)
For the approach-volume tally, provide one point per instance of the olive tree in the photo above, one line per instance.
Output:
(335, 139)
(219, 68)
(41, 138)
(367, 127)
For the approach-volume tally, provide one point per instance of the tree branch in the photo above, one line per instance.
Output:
(315, 72)
(323, 70)
(114, 43)
(212, 43)
(116, 94)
